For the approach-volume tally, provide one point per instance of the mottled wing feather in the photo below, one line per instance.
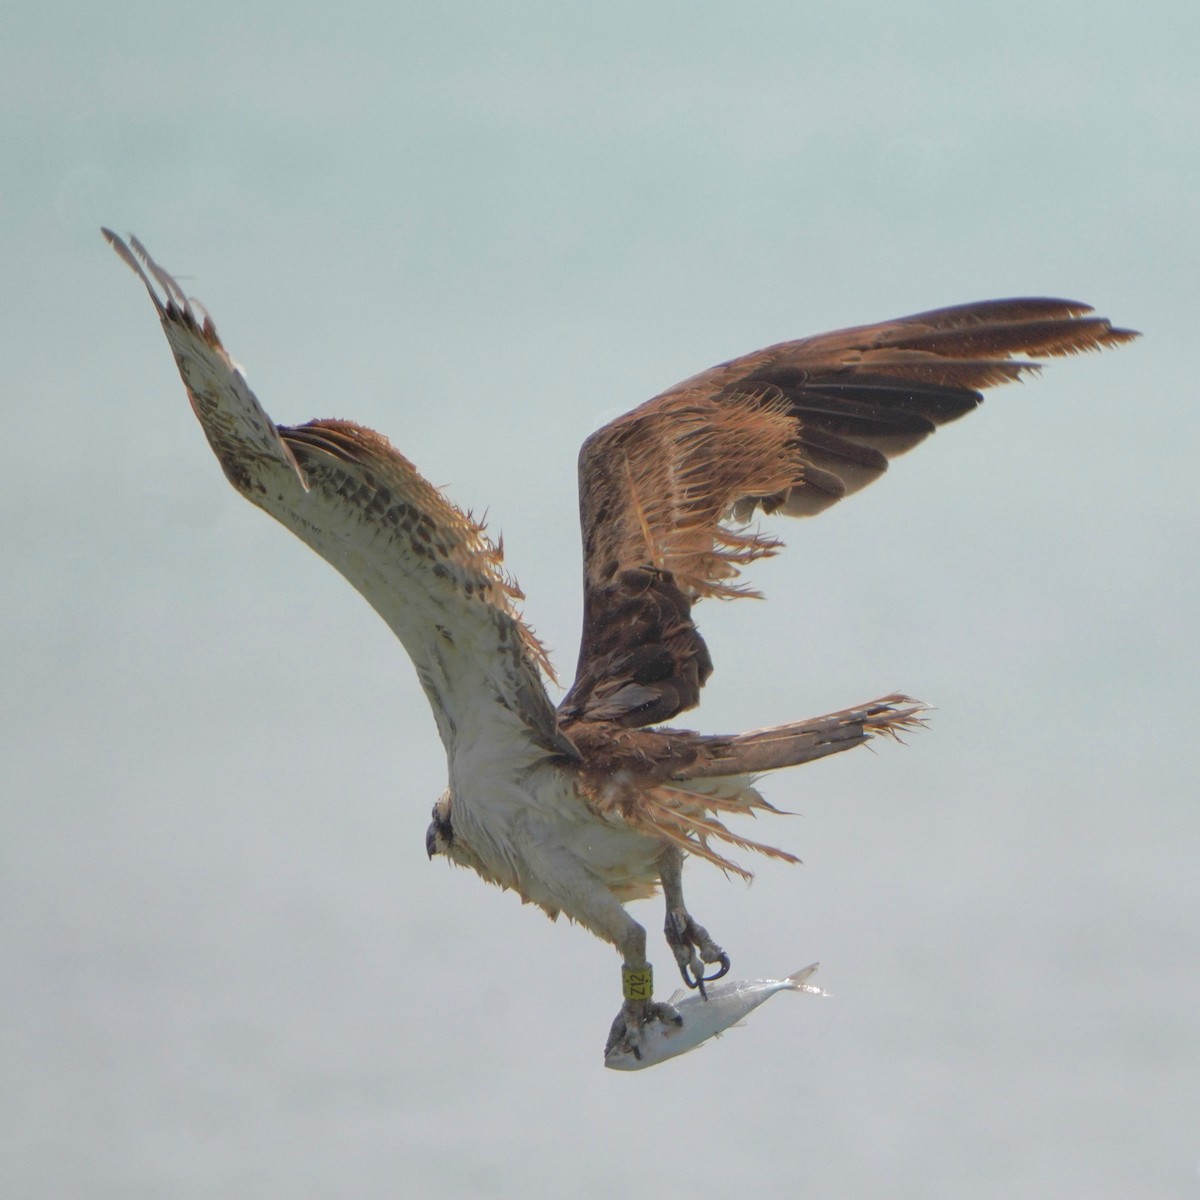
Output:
(667, 489)
(424, 565)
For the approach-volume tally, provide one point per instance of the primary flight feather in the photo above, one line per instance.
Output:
(584, 806)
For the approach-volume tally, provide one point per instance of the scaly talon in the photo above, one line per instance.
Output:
(633, 1017)
(693, 948)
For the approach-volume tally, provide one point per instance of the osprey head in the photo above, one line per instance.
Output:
(440, 835)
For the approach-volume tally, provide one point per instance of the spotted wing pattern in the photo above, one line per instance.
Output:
(425, 566)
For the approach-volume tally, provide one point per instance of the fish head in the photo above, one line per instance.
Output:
(658, 1042)
(661, 1039)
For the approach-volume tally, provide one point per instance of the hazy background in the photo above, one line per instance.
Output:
(227, 967)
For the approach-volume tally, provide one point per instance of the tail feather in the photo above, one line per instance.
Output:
(802, 741)
(686, 808)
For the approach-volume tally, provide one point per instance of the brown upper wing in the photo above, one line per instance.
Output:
(665, 491)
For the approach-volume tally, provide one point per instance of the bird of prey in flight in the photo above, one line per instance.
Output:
(586, 805)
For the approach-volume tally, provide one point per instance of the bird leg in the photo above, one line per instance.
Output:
(600, 911)
(689, 942)
(639, 1008)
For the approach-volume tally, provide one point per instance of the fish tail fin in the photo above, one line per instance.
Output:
(798, 981)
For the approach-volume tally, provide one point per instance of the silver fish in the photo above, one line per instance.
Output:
(728, 1002)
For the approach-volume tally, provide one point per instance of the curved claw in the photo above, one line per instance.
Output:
(693, 948)
(699, 979)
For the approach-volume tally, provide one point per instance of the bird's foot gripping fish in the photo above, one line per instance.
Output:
(586, 805)
(687, 1021)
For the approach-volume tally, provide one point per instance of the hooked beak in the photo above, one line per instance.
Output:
(431, 842)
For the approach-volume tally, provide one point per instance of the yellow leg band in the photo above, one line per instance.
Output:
(638, 982)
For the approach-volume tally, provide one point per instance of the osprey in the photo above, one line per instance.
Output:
(584, 806)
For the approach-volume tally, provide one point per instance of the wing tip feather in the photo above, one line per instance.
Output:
(177, 306)
(130, 259)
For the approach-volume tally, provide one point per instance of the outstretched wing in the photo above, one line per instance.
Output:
(667, 489)
(424, 565)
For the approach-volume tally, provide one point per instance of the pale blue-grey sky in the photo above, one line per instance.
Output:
(484, 229)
